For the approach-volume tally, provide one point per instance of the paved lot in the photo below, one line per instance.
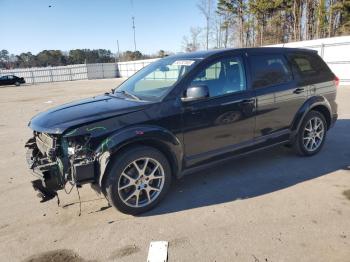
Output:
(269, 206)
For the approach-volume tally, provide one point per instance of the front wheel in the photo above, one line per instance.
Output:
(17, 83)
(311, 135)
(138, 179)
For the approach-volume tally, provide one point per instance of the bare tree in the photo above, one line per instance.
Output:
(206, 7)
(217, 30)
(191, 43)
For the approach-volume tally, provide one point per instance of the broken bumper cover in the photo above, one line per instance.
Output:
(49, 179)
(53, 171)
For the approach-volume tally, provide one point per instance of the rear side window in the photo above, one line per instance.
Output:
(269, 70)
(310, 65)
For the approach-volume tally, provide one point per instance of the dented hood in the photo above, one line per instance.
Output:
(59, 119)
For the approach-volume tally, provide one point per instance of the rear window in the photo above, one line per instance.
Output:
(269, 70)
(310, 65)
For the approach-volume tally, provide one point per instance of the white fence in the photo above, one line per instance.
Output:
(102, 70)
(78, 72)
(335, 51)
(127, 69)
(49, 74)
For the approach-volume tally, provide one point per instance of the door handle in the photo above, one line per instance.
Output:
(298, 90)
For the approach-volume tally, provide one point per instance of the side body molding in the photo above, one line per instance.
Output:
(156, 136)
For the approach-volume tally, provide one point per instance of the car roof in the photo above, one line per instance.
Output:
(255, 50)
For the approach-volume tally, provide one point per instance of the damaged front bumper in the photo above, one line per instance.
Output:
(53, 169)
(49, 180)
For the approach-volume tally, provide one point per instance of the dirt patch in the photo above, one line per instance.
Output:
(179, 242)
(28, 99)
(56, 256)
(346, 193)
(125, 251)
(4, 226)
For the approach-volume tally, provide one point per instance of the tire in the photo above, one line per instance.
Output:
(133, 188)
(311, 134)
(17, 84)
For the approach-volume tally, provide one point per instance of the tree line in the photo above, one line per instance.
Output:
(76, 56)
(248, 23)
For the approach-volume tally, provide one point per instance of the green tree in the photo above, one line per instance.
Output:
(341, 16)
(4, 58)
(26, 60)
(132, 55)
(161, 53)
(321, 20)
(51, 58)
(76, 56)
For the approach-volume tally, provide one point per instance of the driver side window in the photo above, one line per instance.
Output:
(222, 77)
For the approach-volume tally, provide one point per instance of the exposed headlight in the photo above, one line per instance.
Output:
(71, 151)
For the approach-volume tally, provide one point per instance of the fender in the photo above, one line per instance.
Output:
(308, 105)
(160, 136)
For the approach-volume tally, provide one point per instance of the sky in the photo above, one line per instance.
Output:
(31, 25)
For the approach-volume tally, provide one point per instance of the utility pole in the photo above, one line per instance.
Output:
(118, 53)
(133, 27)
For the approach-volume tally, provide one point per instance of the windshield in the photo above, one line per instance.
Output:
(154, 81)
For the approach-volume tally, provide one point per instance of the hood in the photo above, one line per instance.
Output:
(59, 119)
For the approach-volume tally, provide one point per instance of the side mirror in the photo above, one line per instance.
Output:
(195, 93)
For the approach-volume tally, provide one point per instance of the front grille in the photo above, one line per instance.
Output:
(45, 143)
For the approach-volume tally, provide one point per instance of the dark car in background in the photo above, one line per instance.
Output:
(181, 113)
(11, 80)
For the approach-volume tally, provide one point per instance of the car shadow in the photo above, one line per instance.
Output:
(257, 174)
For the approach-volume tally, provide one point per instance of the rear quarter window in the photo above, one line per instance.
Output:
(311, 67)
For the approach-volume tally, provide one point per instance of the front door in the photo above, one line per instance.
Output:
(225, 118)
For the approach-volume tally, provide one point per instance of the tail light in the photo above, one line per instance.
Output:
(336, 81)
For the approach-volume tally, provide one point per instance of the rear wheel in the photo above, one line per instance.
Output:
(311, 135)
(138, 180)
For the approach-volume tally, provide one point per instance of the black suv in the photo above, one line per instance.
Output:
(179, 113)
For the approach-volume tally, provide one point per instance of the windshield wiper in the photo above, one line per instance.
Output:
(128, 94)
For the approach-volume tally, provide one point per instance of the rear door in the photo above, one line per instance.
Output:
(278, 96)
(224, 119)
(313, 74)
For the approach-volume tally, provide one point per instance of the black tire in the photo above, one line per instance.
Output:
(299, 145)
(17, 83)
(123, 163)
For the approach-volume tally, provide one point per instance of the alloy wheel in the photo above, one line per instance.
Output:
(141, 182)
(313, 134)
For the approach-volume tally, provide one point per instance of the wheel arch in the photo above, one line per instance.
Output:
(156, 137)
(316, 103)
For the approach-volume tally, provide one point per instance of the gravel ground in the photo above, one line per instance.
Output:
(268, 206)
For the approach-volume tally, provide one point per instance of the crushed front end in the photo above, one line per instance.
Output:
(56, 160)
